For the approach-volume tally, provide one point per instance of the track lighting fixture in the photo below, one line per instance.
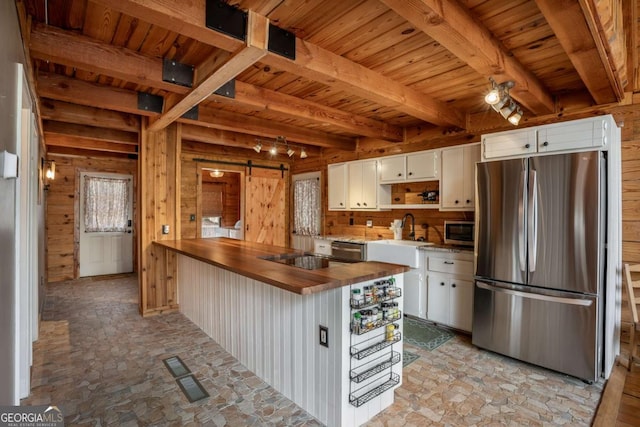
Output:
(500, 100)
(279, 141)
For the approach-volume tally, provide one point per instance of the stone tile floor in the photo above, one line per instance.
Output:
(101, 363)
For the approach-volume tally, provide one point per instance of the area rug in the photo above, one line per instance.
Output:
(424, 335)
(408, 357)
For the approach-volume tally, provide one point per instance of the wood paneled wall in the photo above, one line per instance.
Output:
(62, 201)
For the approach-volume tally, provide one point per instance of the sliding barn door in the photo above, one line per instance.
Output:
(265, 213)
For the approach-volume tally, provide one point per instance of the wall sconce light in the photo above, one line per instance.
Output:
(50, 171)
(500, 100)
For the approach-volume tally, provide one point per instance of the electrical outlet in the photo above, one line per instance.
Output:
(369, 223)
(324, 336)
(350, 221)
(165, 229)
(192, 217)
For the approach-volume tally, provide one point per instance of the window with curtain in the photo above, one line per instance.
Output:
(106, 204)
(306, 197)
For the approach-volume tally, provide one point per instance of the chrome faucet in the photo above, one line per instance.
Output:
(412, 235)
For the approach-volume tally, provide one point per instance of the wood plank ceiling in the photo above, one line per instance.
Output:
(364, 69)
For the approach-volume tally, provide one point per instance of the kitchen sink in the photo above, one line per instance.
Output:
(403, 252)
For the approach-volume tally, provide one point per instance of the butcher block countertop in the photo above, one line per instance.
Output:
(243, 257)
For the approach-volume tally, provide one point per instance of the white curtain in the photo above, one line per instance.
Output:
(106, 204)
(306, 197)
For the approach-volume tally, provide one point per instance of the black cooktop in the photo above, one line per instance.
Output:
(308, 261)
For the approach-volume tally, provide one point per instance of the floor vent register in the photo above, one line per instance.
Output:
(187, 382)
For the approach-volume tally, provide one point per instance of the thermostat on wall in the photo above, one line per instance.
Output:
(8, 165)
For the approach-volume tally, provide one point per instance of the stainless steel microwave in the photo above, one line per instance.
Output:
(459, 233)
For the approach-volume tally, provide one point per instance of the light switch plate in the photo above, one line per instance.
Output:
(8, 165)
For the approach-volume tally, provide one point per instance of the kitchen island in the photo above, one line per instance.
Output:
(272, 317)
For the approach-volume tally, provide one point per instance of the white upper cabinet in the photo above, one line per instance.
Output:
(420, 166)
(575, 135)
(457, 186)
(363, 184)
(393, 169)
(337, 186)
(584, 134)
(509, 144)
(423, 166)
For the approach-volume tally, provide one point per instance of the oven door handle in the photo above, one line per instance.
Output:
(342, 248)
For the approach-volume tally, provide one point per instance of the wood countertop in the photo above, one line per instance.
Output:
(243, 257)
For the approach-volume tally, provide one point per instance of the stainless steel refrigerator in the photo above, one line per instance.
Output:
(540, 251)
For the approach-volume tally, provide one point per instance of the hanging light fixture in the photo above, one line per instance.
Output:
(290, 152)
(257, 147)
(303, 154)
(501, 101)
(279, 141)
(216, 173)
(273, 150)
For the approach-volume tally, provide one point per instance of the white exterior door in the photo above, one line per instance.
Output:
(106, 217)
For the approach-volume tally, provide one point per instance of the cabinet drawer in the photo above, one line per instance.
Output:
(451, 266)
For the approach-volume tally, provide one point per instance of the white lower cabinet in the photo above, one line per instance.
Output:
(450, 288)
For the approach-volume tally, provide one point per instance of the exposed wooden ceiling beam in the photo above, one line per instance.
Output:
(73, 50)
(91, 132)
(90, 116)
(66, 89)
(54, 150)
(256, 48)
(311, 61)
(72, 141)
(568, 22)
(454, 27)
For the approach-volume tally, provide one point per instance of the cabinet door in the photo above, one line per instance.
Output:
(471, 156)
(423, 166)
(337, 186)
(355, 185)
(571, 136)
(392, 169)
(369, 184)
(452, 184)
(509, 144)
(438, 298)
(461, 304)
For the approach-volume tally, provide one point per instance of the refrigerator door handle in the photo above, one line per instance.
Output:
(532, 219)
(521, 218)
(530, 295)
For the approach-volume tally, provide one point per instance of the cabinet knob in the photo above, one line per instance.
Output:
(453, 285)
(399, 174)
(456, 202)
(527, 145)
(365, 204)
(340, 203)
(441, 283)
(410, 173)
(468, 201)
(358, 204)
(544, 144)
